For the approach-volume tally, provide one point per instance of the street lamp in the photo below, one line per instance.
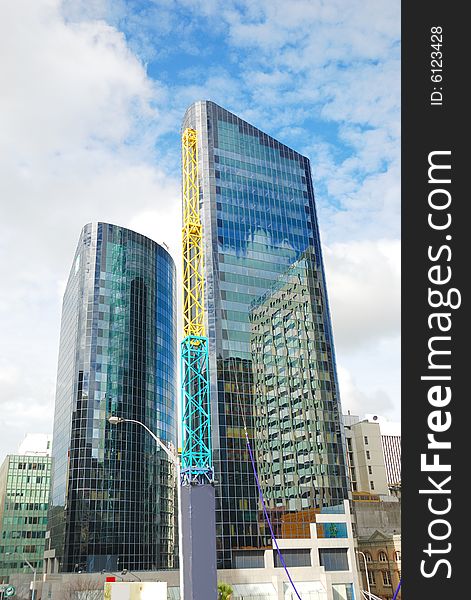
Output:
(33, 593)
(118, 420)
(174, 458)
(366, 572)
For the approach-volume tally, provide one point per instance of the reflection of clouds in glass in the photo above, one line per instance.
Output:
(257, 245)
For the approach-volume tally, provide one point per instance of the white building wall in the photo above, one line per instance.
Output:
(391, 443)
(368, 458)
(36, 443)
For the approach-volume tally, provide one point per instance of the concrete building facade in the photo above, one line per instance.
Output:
(378, 532)
(365, 456)
(391, 443)
(382, 572)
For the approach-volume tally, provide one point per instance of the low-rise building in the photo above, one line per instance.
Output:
(322, 567)
(374, 454)
(24, 496)
(382, 554)
(391, 443)
(378, 531)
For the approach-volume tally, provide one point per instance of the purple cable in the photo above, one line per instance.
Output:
(268, 518)
(397, 591)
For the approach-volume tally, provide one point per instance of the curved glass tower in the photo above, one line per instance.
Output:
(271, 351)
(113, 490)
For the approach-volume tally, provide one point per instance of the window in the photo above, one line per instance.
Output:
(397, 555)
(386, 578)
(366, 440)
(371, 578)
(334, 559)
(383, 557)
(249, 559)
(368, 454)
(372, 485)
(294, 558)
(368, 557)
(370, 470)
(342, 591)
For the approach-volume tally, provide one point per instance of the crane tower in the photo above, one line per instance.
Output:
(197, 472)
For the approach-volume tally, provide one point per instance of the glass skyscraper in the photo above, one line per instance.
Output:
(272, 363)
(113, 489)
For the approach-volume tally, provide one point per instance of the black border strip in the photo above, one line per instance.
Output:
(435, 123)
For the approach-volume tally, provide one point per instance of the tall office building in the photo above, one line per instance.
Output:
(24, 494)
(260, 228)
(112, 500)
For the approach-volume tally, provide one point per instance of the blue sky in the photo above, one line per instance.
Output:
(321, 76)
(95, 93)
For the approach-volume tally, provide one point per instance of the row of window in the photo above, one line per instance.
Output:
(24, 534)
(4, 550)
(18, 506)
(10, 567)
(382, 556)
(38, 466)
(332, 559)
(385, 575)
(21, 481)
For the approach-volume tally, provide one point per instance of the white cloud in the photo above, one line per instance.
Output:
(360, 397)
(363, 281)
(78, 146)
(336, 63)
(75, 79)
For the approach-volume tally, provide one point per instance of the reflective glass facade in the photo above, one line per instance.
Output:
(24, 495)
(298, 439)
(113, 500)
(259, 224)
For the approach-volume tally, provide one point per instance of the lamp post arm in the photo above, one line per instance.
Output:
(23, 558)
(28, 563)
(158, 440)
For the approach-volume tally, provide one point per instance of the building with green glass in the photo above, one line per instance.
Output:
(298, 448)
(259, 228)
(113, 491)
(24, 496)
